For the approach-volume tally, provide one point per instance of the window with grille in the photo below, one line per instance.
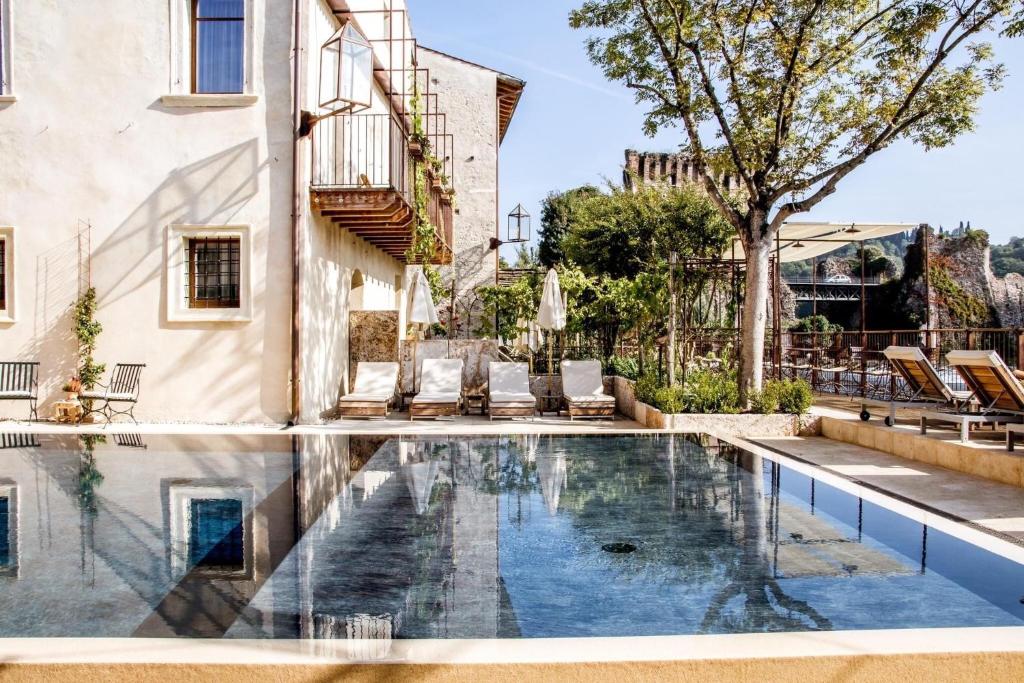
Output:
(213, 268)
(218, 46)
(5, 532)
(3, 274)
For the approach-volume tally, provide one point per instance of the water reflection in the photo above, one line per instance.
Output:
(371, 538)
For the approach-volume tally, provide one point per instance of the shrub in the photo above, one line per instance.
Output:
(815, 323)
(646, 388)
(623, 366)
(670, 400)
(766, 401)
(795, 396)
(710, 391)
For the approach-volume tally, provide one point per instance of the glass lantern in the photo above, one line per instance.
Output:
(518, 225)
(346, 71)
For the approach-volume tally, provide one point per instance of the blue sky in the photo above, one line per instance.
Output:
(572, 126)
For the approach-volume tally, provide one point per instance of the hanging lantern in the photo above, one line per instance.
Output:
(518, 225)
(346, 71)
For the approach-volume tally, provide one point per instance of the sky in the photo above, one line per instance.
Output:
(572, 126)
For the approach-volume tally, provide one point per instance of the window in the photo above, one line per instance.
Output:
(213, 270)
(5, 532)
(216, 534)
(208, 273)
(218, 46)
(6, 275)
(8, 530)
(3, 274)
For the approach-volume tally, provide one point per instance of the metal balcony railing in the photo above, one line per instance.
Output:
(361, 152)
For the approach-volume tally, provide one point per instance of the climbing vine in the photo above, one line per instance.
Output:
(87, 330)
(964, 308)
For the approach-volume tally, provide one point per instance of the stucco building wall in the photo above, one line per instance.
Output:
(468, 95)
(90, 140)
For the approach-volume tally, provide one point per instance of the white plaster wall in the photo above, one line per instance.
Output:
(331, 256)
(90, 140)
(468, 94)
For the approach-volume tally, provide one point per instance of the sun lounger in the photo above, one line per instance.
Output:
(440, 389)
(583, 389)
(1012, 430)
(997, 396)
(508, 390)
(922, 385)
(373, 392)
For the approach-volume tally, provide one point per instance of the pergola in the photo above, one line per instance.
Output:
(802, 241)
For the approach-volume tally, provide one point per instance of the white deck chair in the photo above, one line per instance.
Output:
(373, 392)
(508, 390)
(997, 396)
(583, 389)
(923, 387)
(440, 389)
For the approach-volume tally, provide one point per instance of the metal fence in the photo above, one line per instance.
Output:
(362, 151)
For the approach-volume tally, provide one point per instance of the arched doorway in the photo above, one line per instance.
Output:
(355, 292)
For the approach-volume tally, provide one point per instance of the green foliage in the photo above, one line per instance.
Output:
(623, 366)
(710, 391)
(89, 476)
(1008, 258)
(87, 330)
(556, 217)
(512, 303)
(815, 323)
(766, 401)
(793, 96)
(623, 233)
(795, 396)
(646, 388)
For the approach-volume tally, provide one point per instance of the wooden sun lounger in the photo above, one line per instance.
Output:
(583, 389)
(924, 388)
(373, 391)
(440, 389)
(508, 390)
(996, 393)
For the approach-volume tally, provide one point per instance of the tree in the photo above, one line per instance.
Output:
(556, 217)
(1008, 258)
(797, 94)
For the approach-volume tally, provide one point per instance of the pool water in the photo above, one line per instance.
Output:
(347, 537)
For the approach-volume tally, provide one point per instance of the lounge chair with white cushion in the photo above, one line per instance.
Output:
(922, 386)
(440, 389)
(373, 392)
(583, 389)
(508, 390)
(997, 397)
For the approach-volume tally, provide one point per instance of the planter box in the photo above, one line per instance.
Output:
(745, 425)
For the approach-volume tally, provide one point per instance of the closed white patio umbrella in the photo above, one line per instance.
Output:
(551, 473)
(551, 314)
(421, 312)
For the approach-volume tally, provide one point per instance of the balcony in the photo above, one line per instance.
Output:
(363, 181)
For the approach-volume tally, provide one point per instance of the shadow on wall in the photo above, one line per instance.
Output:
(57, 277)
(326, 334)
(211, 191)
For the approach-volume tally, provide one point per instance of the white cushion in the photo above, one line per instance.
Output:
(374, 379)
(591, 398)
(508, 378)
(511, 397)
(441, 376)
(436, 397)
(365, 398)
(582, 378)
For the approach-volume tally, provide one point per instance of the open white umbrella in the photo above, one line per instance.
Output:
(551, 314)
(421, 312)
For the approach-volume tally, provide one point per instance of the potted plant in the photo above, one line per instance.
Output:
(418, 145)
(71, 388)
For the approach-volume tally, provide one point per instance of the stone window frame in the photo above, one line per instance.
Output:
(7, 95)
(181, 87)
(178, 310)
(8, 311)
(180, 495)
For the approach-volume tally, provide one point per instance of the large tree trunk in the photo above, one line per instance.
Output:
(755, 315)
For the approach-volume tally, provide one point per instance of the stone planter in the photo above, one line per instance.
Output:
(745, 425)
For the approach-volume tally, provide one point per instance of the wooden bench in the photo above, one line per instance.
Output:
(19, 381)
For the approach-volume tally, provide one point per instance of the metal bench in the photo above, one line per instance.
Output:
(19, 381)
(123, 389)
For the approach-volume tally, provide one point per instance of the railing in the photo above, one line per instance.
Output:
(832, 280)
(362, 151)
(842, 363)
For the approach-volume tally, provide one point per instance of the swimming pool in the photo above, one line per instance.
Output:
(348, 537)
